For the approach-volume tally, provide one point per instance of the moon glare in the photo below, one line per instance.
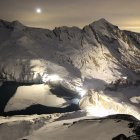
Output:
(38, 10)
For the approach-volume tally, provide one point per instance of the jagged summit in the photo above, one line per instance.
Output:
(11, 25)
(103, 24)
(101, 21)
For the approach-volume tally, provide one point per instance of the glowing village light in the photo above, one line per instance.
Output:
(99, 111)
(97, 105)
(51, 78)
(81, 91)
(124, 77)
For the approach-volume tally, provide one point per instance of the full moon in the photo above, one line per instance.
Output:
(38, 10)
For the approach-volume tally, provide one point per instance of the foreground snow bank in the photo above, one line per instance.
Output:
(97, 129)
(12, 128)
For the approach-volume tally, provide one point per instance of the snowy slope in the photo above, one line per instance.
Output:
(69, 126)
(88, 129)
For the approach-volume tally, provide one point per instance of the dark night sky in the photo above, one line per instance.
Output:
(124, 13)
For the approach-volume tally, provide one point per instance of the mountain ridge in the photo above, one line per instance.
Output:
(100, 50)
(16, 22)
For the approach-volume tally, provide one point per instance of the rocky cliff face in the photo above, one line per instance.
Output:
(100, 51)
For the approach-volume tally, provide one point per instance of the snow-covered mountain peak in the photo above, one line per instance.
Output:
(103, 27)
(102, 23)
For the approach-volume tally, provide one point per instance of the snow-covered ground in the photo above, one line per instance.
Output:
(12, 128)
(68, 126)
(81, 63)
(104, 129)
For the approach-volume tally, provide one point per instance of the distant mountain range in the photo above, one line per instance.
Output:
(98, 51)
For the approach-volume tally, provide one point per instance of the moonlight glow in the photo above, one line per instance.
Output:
(38, 10)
